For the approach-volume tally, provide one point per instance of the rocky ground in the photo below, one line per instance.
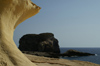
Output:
(44, 61)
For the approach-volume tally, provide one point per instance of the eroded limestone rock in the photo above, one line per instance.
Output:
(12, 13)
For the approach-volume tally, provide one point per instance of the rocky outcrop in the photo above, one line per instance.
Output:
(71, 53)
(44, 61)
(44, 42)
(12, 13)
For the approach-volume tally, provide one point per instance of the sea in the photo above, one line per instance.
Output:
(93, 59)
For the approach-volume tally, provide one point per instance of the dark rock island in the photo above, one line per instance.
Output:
(72, 53)
(45, 44)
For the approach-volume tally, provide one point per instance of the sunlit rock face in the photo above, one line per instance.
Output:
(12, 13)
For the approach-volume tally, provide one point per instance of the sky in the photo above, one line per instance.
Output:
(75, 23)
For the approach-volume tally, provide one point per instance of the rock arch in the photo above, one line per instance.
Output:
(12, 13)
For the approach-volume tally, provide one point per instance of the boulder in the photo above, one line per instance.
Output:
(71, 53)
(44, 42)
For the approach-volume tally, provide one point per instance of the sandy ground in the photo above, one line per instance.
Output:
(44, 61)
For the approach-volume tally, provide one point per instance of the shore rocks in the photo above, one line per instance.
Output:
(44, 42)
(45, 61)
(44, 54)
(71, 53)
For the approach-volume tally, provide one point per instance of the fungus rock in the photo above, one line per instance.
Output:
(44, 42)
(12, 13)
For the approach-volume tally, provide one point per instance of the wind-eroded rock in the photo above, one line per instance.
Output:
(44, 42)
(12, 13)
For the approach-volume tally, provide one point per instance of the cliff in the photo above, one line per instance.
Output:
(12, 13)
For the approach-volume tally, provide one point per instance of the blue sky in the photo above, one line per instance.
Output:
(75, 23)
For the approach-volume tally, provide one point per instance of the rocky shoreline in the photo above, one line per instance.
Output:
(44, 50)
(45, 61)
(69, 53)
(45, 44)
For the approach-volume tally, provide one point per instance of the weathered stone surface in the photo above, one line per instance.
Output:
(71, 53)
(44, 61)
(44, 42)
(12, 13)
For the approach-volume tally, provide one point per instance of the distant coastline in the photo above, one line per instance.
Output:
(87, 58)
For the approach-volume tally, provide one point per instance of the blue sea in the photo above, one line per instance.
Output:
(93, 59)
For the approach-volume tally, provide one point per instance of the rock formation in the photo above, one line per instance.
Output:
(44, 42)
(12, 13)
(71, 53)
